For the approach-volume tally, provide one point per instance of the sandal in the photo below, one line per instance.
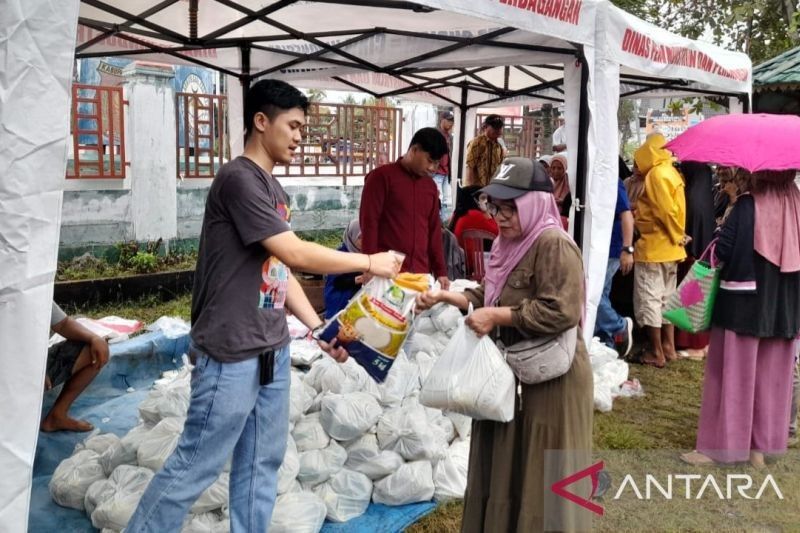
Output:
(696, 458)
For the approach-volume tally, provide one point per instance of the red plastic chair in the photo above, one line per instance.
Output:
(473, 249)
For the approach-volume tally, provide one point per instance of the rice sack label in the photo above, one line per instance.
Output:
(376, 321)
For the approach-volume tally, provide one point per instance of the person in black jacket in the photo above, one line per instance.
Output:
(756, 318)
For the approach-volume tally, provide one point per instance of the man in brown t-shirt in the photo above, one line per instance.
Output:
(239, 340)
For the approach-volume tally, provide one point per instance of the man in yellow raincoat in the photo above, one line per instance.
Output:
(660, 221)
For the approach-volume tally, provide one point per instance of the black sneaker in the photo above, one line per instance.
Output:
(623, 341)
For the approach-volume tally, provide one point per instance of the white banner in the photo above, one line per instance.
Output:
(562, 20)
(635, 43)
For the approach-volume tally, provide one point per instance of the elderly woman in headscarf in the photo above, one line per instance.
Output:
(747, 387)
(340, 288)
(533, 288)
(558, 173)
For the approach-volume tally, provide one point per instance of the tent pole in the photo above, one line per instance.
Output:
(583, 148)
(462, 131)
(245, 77)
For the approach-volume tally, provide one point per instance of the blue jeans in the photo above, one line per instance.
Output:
(229, 413)
(443, 184)
(608, 320)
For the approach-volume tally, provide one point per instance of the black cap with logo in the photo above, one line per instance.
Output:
(517, 176)
(448, 115)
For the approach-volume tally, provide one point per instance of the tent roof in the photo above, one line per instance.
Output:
(781, 70)
(387, 48)
(500, 50)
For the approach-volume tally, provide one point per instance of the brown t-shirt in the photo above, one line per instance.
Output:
(239, 290)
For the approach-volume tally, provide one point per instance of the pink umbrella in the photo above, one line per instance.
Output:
(752, 142)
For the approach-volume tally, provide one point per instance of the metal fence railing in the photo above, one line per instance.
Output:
(524, 136)
(346, 140)
(201, 144)
(97, 127)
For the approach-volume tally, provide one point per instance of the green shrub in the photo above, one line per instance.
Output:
(144, 262)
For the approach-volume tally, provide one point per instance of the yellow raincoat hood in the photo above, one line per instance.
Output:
(651, 153)
(661, 209)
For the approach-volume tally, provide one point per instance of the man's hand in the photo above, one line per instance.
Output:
(481, 321)
(99, 351)
(685, 240)
(385, 264)
(625, 263)
(444, 282)
(338, 353)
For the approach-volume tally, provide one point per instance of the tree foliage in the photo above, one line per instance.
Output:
(760, 28)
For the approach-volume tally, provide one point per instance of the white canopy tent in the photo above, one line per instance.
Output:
(465, 54)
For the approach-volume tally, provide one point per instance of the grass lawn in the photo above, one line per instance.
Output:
(665, 419)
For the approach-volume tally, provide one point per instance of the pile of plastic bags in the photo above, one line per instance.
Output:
(352, 441)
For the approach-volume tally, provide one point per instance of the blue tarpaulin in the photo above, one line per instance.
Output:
(110, 407)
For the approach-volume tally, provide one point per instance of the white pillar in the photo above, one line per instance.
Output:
(735, 106)
(233, 90)
(34, 112)
(461, 144)
(151, 145)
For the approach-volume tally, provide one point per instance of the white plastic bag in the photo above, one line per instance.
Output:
(406, 430)
(380, 466)
(309, 434)
(445, 318)
(168, 400)
(159, 443)
(413, 482)
(472, 378)
(129, 483)
(172, 327)
(346, 495)
(317, 466)
(301, 396)
(214, 497)
(304, 352)
(364, 456)
(124, 451)
(348, 416)
(298, 512)
(600, 354)
(462, 423)
(97, 442)
(290, 467)
(361, 450)
(425, 362)
(73, 477)
(402, 380)
(206, 523)
(98, 492)
(358, 380)
(326, 375)
(450, 473)
(420, 342)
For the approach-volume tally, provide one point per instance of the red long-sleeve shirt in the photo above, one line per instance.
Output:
(401, 212)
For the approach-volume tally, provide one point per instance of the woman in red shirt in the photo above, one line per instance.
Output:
(473, 215)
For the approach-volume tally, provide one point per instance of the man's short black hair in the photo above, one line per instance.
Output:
(271, 97)
(430, 140)
(494, 121)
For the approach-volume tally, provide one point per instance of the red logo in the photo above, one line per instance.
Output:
(593, 471)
